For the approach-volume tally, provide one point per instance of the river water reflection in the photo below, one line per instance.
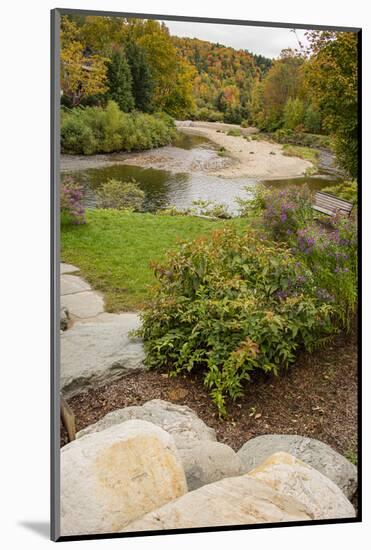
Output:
(165, 188)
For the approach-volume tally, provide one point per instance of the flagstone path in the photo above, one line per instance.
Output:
(97, 346)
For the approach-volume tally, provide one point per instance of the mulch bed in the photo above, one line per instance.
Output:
(316, 397)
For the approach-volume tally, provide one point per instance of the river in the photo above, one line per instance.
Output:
(181, 174)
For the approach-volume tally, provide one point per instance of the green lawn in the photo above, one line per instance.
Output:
(113, 250)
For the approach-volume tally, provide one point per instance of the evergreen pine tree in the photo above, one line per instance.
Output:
(143, 85)
(120, 82)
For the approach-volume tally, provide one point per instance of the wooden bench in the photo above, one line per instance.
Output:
(330, 205)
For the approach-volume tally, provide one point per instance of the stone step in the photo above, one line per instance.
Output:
(97, 351)
(83, 305)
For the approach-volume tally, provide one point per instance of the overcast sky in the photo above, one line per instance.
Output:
(260, 40)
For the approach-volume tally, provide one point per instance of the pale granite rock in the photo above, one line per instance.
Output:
(72, 283)
(290, 476)
(207, 461)
(204, 459)
(68, 268)
(178, 420)
(231, 501)
(112, 477)
(94, 352)
(311, 451)
(83, 305)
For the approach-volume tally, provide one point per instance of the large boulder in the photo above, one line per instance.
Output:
(112, 477)
(311, 451)
(204, 459)
(230, 501)
(100, 350)
(207, 461)
(290, 476)
(178, 420)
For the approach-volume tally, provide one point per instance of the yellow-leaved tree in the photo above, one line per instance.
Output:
(82, 74)
(172, 76)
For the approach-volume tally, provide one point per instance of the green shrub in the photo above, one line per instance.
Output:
(210, 208)
(76, 136)
(293, 113)
(346, 190)
(236, 132)
(121, 195)
(228, 305)
(345, 147)
(171, 211)
(209, 115)
(283, 135)
(234, 115)
(88, 130)
(301, 138)
(255, 203)
(312, 120)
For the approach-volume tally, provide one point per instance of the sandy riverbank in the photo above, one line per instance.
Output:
(253, 159)
(241, 158)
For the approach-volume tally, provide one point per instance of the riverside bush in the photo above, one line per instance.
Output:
(346, 190)
(88, 130)
(229, 305)
(286, 135)
(207, 114)
(210, 208)
(121, 195)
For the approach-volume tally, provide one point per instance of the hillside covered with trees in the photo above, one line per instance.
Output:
(224, 80)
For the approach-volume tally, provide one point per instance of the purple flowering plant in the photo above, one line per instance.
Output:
(72, 209)
(286, 210)
(329, 251)
(331, 254)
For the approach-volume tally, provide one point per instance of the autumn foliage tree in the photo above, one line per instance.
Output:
(281, 84)
(82, 75)
(132, 61)
(224, 78)
(332, 77)
(172, 76)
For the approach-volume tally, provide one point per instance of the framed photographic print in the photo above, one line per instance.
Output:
(206, 211)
